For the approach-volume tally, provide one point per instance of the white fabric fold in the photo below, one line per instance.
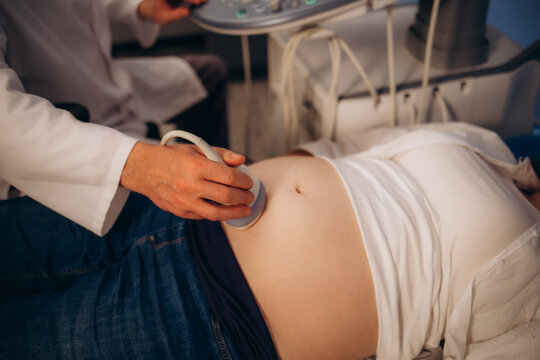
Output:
(414, 232)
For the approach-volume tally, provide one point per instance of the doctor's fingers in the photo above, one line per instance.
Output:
(230, 157)
(217, 212)
(187, 215)
(227, 195)
(223, 174)
(201, 208)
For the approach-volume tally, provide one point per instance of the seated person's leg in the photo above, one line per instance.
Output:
(41, 250)
(133, 294)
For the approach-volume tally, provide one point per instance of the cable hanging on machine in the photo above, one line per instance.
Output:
(391, 65)
(336, 45)
(442, 104)
(288, 95)
(427, 59)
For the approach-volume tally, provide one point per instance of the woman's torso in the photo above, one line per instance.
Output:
(305, 259)
(306, 265)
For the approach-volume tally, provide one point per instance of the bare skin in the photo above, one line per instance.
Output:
(161, 12)
(181, 180)
(307, 267)
(534, 199)
(306, 264)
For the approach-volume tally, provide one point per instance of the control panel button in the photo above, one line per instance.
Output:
(241, 13)
(310, 2)
(258, 9)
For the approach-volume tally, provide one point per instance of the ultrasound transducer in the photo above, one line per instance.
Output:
(257, 189)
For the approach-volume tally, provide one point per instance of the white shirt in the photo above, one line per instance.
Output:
(453, 246)
(60, 51)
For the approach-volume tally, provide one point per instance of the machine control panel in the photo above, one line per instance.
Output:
(261, 16)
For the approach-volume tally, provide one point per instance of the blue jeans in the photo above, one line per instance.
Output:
(66, 293)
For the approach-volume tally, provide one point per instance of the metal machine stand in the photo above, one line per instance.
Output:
(460, 35)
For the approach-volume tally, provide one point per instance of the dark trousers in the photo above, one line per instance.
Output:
(208, 118)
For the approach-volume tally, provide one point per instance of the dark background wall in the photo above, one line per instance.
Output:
(519, 19)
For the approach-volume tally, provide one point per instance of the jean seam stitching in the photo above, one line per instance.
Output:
(219, 338)
(152, 239)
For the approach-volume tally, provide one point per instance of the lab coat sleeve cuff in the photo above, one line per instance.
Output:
(145, 31)
(115, 196)
(126, 12)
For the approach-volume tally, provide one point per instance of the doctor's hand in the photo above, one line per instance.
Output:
(165, 11)
(181, 180)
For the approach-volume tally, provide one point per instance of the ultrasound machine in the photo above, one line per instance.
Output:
(467, 71)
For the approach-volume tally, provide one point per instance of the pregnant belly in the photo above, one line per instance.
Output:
(306, 264)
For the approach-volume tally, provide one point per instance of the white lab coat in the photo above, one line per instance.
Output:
(59, 51)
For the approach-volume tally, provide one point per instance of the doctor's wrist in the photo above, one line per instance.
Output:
(136, 167)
